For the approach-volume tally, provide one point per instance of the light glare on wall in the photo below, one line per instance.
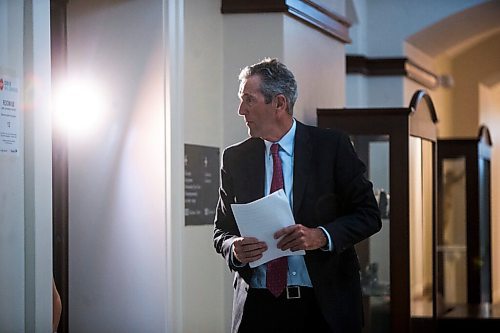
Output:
(79, 107)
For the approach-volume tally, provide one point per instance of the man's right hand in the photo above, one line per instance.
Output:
(248, 249)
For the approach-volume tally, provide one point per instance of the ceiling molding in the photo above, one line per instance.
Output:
(307, 11)
(358, 64)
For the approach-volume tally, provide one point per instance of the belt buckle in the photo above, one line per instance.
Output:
(293, 292)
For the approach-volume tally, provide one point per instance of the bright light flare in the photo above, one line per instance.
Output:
(79, 107)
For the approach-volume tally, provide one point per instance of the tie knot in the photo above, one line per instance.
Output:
(274, 148)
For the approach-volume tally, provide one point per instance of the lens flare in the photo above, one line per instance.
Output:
(79, 107)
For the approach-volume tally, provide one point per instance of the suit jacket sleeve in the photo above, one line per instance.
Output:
(360, 216)
(225, 227)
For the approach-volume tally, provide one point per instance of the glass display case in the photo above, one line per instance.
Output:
(464, 234)
(398, 146)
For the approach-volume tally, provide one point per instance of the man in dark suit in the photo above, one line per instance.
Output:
(332, 203)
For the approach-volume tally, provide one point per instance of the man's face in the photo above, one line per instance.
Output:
(260, 117)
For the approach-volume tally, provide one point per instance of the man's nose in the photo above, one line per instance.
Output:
(241, 109)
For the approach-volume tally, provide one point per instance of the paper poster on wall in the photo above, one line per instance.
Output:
(9, 117)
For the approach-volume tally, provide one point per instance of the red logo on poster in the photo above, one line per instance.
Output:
(1, 84)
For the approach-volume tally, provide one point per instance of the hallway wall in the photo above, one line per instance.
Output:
(204, 291)
(469, 68)
(117, 243)
(116, 172)
(318, 63)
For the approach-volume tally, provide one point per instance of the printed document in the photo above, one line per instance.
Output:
(261, 219)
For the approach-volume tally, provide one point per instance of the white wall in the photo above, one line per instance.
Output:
(332, 5)
(356, 91)
(203, 270)
(242, 48)
(12, 180)
(25, 177)
(318, 63)
(117, 243)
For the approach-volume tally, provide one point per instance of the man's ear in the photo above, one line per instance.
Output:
(281, 102)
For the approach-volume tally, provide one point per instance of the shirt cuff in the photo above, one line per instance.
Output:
(235, 261)
(329, 243)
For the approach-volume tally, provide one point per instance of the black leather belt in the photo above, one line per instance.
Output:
(290, 293)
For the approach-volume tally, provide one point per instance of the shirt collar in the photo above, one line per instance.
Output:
(287, 141)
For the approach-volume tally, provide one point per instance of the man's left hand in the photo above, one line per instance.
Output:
(298, 237)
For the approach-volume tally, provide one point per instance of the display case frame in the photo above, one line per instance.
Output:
(476, 153)
(418, 120)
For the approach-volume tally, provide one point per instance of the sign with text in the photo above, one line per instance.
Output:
(9, 117)
(201, 183)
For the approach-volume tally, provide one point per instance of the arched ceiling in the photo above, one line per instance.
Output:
(460, 31)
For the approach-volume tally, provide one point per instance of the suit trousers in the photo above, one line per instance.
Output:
(265, 313)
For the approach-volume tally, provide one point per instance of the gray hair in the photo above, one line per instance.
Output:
(275, 79)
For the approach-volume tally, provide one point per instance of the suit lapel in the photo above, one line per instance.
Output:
(302, 165)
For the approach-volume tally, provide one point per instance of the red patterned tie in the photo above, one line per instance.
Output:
(276, 276)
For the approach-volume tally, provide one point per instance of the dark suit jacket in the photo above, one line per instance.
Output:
(329, 190)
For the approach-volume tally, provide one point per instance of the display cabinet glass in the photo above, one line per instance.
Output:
(374, 254)
(398, 146)
(464, 246)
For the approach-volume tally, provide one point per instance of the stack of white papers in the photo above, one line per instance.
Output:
(261, 219)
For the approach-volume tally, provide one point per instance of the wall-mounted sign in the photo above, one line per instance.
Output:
(9, 117)
(201, 183)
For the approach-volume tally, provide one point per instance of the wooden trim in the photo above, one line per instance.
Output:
(484, 135)
(423, 112)
(328, 22)
(60, 210)
(307, 11)
(254, 6)
(452, 148)
(399, 124)
(358, 64)
(363, 112)
(421, 96)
